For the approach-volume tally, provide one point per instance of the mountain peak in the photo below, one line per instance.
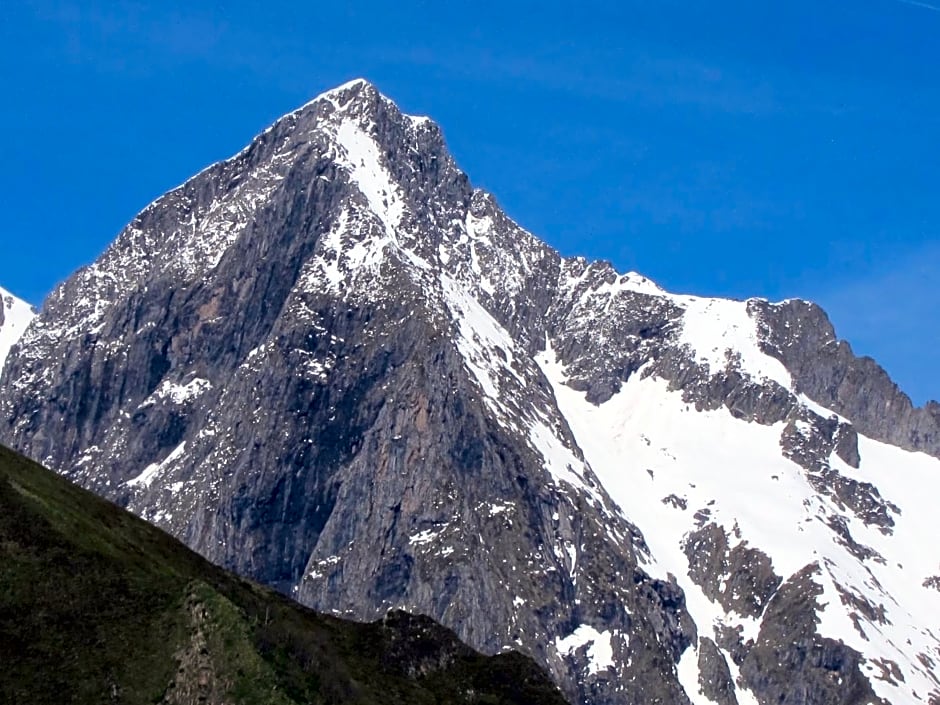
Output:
(355, 84)
(331, 364)
(358, 91)
(360, 97)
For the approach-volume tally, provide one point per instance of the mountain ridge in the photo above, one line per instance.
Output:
(332, 364)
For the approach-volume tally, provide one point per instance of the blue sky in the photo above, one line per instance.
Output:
(723, 148)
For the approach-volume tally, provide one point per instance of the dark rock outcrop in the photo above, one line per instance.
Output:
(714, 675)
(791, 663)
(800, 335)
(740, 578)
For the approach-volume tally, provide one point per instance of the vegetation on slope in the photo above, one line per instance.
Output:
(97, 606)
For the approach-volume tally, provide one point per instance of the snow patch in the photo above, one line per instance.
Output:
(499, 508)
(631, 281)
(363, 160)
(560, 460)
(425, 537)
(181, 393)
(17, 315)
(713, 327)
(600, 651)
(152, 471)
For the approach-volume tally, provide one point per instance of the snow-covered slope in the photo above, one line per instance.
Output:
(15, 316)
(333, 365)
(673, 469)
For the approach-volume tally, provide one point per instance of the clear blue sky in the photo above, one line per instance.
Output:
(724, 148)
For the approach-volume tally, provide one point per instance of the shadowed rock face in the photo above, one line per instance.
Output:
(791, 663)
(315, 364)
(739, 578)
(715, 680)
(799, 334)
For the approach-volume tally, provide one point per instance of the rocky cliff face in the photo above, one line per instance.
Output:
(333, 365)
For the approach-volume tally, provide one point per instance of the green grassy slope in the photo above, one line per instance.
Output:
(97, 606)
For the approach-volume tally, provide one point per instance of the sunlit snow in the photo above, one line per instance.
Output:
(16, 317)
(152, 471)
(600, 652)
(714, 327)
(645, 444)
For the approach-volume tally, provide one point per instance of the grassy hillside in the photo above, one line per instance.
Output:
(97, 606)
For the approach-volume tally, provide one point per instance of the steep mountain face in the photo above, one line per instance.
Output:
(331, 364)
(168, 627)
(15, 316)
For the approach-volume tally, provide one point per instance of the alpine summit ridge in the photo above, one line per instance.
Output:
(331, 364)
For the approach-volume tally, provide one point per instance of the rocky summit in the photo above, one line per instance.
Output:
(332, 365)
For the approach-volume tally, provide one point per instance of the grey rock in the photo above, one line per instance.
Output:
(800, 335)
(790, 663)
(731, 641)
(809, 441)
(714, 675)
(740, 578)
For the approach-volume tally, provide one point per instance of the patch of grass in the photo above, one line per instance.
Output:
(97, 606)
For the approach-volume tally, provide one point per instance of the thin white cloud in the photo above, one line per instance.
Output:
(917, 3)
